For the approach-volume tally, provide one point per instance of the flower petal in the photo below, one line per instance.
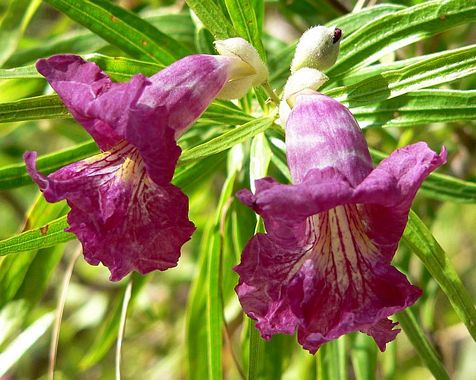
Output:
(85, 89)
(320, 133)
(389, 190)
(122, 218)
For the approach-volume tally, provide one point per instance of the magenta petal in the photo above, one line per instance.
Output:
(81, 85)
(320, 133)
(185, 89)
(122, 218)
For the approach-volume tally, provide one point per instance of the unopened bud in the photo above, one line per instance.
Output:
(317, 48)
(250, 69)
(302, 81)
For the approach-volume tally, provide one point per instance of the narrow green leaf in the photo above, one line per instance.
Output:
(35, 108)
(24, 342)
(442, 187)
(363, 356)
(13, 24)
(332, 360)
(118, 68)
(420, 240)
(399, 29)
(51, 106)
(24, 72)
(352, 22)
(77, 42)
(213, 18)
(45, 236)
(259, 8)
(227, 140)
(419, 108)
(123, 29)
(14, 268)
(244, 20)
(178, 26)
(225, 112)
(16, 175)
(346, 79)
(444, 68)
(196, 330)
(214, 298)
(256, 351)
(422, 345)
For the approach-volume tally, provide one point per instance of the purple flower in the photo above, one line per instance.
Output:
(324, 266)
(124, 209)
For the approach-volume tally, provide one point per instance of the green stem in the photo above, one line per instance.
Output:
(269, 91)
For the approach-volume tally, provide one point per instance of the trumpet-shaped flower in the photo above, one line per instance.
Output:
(124, 209)
(324, 266)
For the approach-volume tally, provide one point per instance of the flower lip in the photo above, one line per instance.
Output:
(337, 35)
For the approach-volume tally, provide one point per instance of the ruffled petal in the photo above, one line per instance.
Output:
(320, 133)
(323, 267)
(388, 192)
(122, 218)
(85, 89)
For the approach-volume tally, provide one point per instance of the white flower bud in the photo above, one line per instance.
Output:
(250, 71)
(317, 48)
(302, 81)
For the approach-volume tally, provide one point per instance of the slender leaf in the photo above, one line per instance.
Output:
(419, 108)
(346, 79)
(399, 29)
(14, 269)
(442, 187)
(363, 356)
(16, 175)
(196, 330)
(244, 20)
(227, 140)
(214, 298)
(421, 344)
(259, 8)
(423, 244)
(118, 68)
(45, 236)
(213, 18)
(13, 24)
(35, 108)
(24, 342)
(256, 352)
(444, 68)
(122, 29)
(332, 360)
(352, 22)
(178, 26)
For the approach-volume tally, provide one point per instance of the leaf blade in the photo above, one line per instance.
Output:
(122, 29)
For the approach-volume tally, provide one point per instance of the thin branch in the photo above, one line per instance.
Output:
(269, 91)
(59, 313)
(122, 327)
